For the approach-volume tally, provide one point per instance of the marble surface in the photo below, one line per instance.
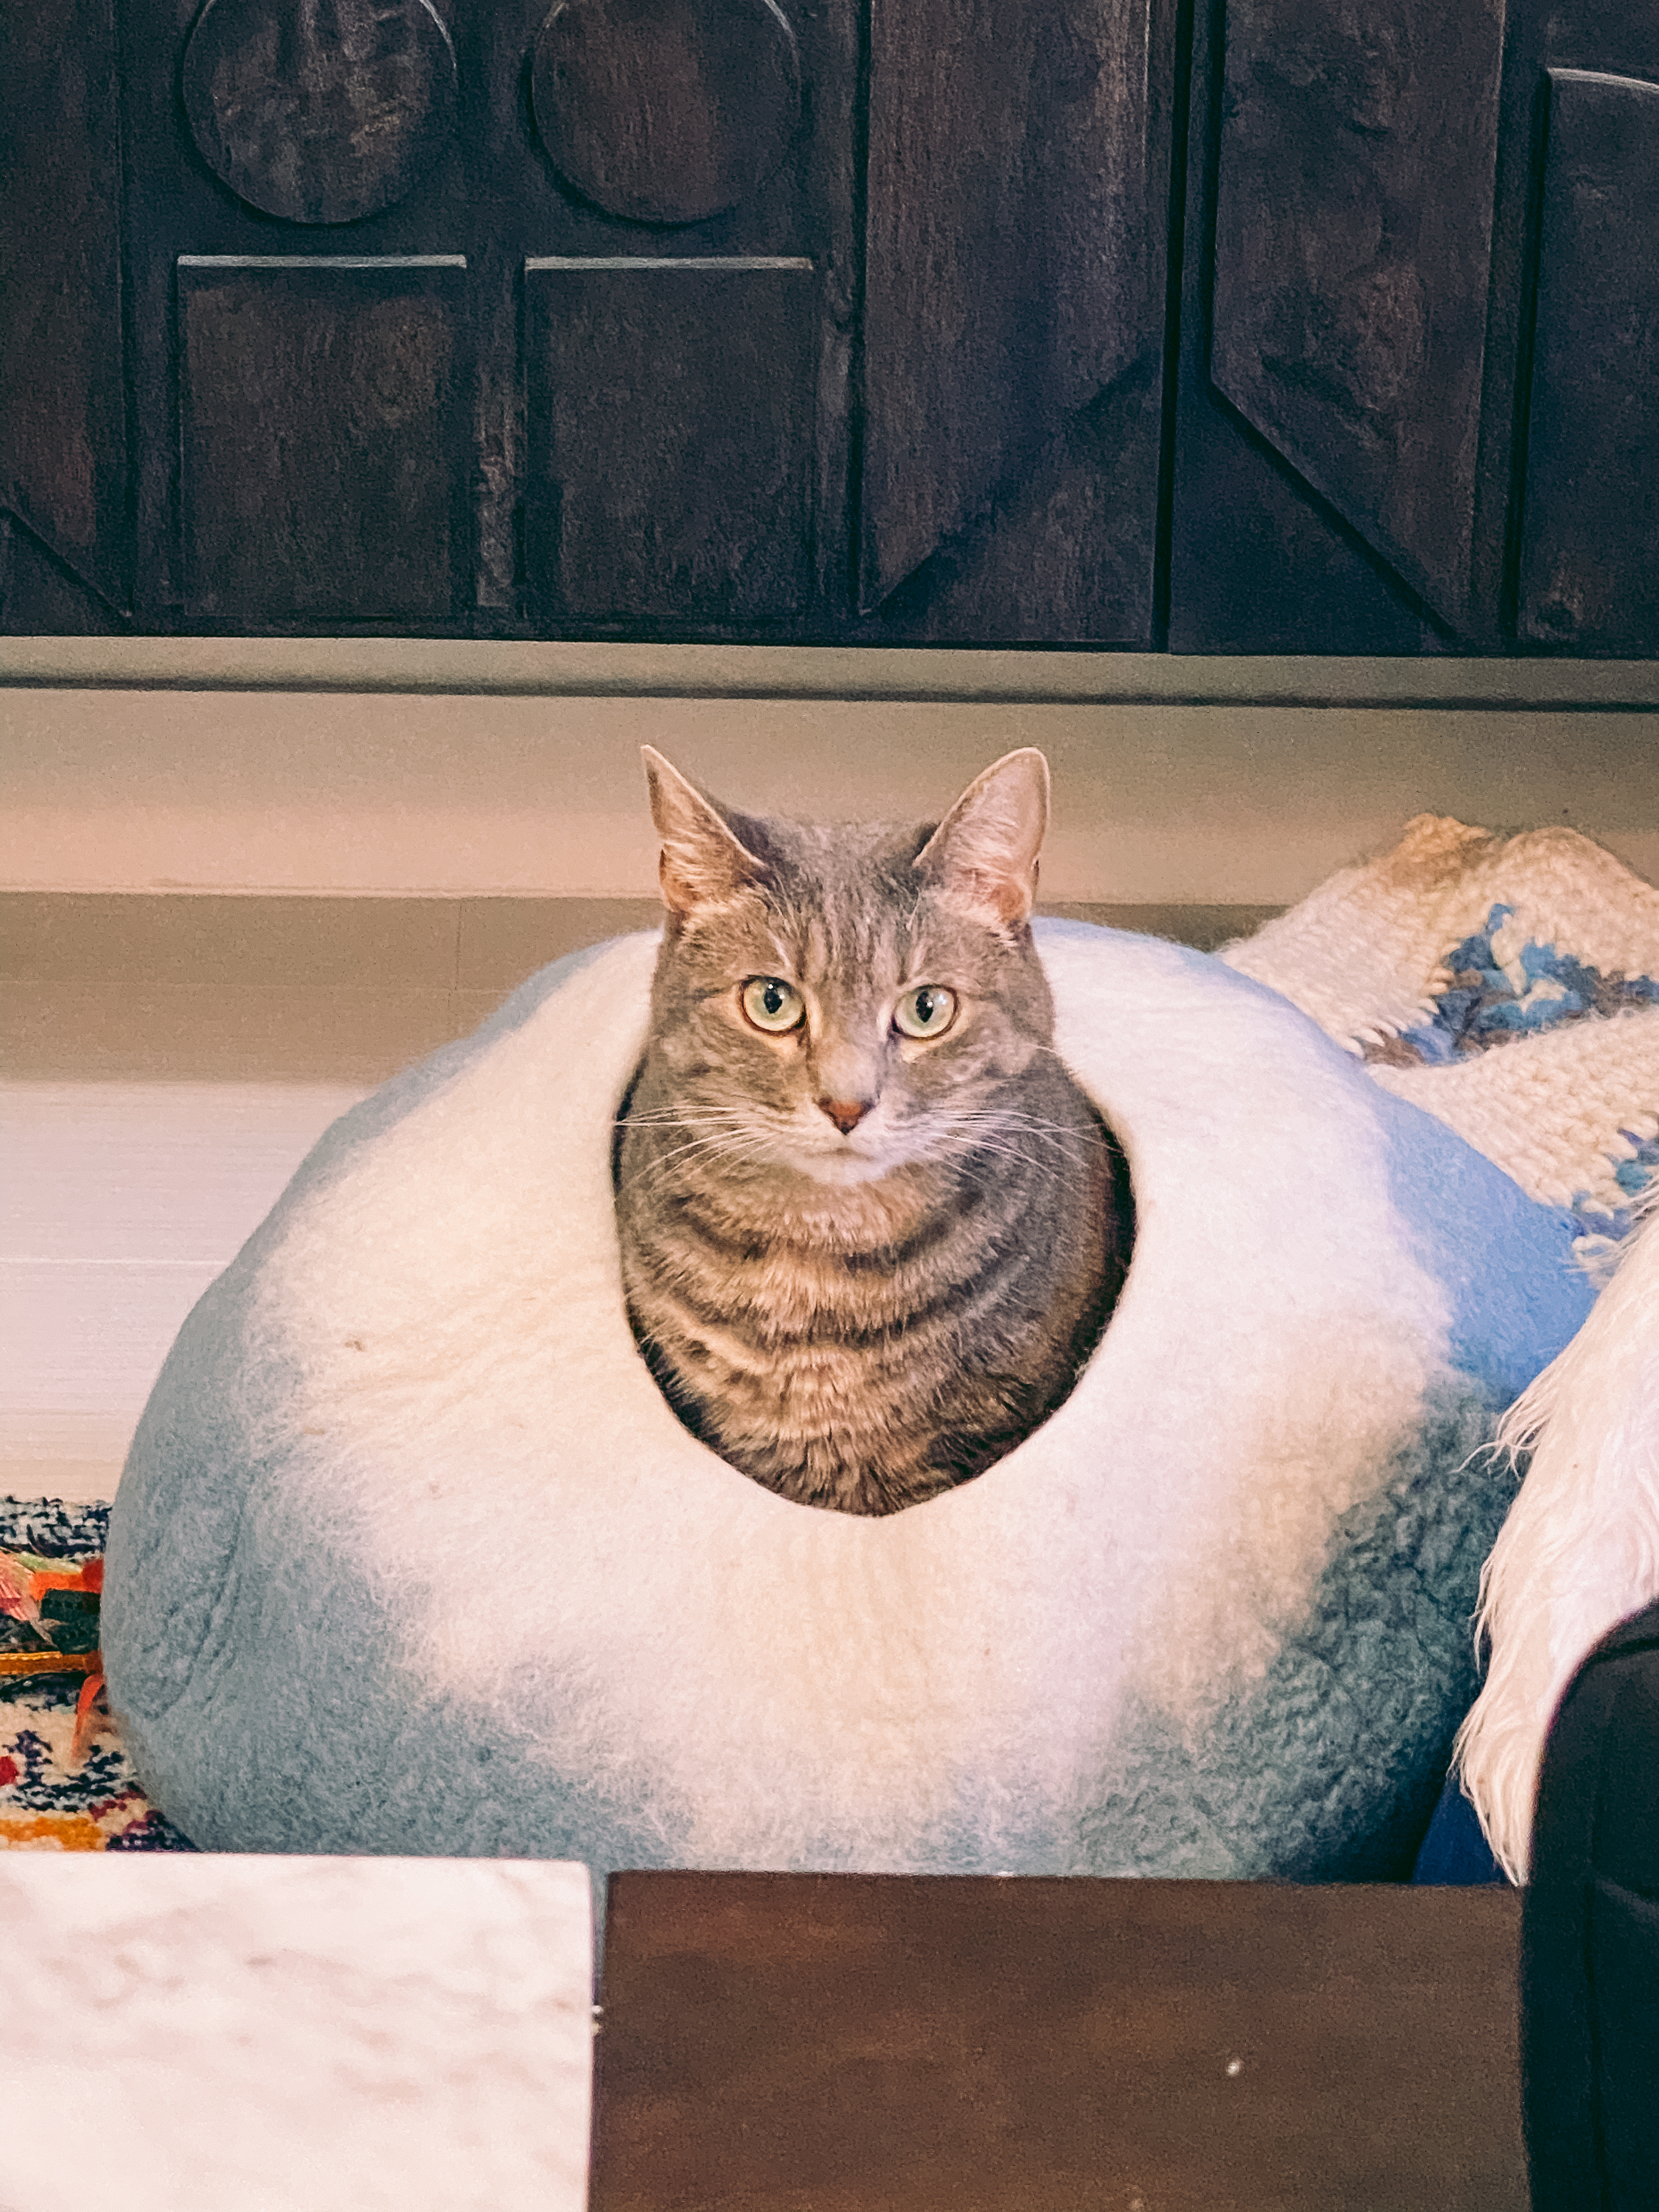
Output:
(242, 2034)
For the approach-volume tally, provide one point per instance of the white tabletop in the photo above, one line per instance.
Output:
(216, 2033)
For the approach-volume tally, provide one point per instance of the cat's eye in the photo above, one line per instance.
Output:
(927, 1012)
(772, 1004)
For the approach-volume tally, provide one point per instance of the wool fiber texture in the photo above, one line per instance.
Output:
(411, 1554)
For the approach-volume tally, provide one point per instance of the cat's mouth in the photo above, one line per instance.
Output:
(864, 1155)
(843, 1168)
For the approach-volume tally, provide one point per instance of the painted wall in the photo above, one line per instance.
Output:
(1241, 798)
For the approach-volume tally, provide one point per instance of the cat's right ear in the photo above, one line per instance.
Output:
(984, 853)
(703, 863)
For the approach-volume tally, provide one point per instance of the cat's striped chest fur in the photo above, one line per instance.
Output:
(870, 1226)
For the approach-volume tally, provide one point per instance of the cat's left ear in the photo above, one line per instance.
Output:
(703, 862)
(985, 851)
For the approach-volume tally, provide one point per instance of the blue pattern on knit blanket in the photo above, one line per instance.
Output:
(1480, 1008)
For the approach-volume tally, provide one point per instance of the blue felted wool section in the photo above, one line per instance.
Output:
(411, 1555)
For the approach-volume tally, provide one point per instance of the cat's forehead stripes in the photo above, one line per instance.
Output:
(789, 963)
(839, 904)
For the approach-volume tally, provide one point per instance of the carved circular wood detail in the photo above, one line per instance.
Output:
(319, 110)
(666, 111)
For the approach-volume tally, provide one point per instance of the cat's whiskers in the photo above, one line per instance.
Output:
(717, 1143)
(1058, 1133)
(997, 1131)
(721, 1143)
(751, 1134)
(677, 1118)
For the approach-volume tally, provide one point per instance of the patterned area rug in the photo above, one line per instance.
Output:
(57, 1794)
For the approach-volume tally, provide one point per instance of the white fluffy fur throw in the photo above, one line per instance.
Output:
(411, 1555)
(1580, 1550)
(1552, 947)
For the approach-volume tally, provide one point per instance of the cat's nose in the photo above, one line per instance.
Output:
(845, 1113)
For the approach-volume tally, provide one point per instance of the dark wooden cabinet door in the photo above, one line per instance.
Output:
(672, 218)
(827, 319)
(726, 317)
(65, 550)
(1417, 345)
(1017, 196)
(300, 350)
(1589, 534)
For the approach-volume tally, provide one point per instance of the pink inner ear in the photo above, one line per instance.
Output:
(985, 851)
(991, 873)
(701, 862)
(679, 889)
(1003, 895)
(703, 874)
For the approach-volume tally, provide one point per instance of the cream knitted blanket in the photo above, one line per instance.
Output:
(1510, 988)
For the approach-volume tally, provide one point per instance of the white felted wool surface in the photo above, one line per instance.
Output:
(1580, 1551)
(411, 1555)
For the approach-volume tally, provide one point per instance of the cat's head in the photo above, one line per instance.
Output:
(842, 1000)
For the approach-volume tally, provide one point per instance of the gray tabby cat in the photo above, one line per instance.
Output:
(871, 1228)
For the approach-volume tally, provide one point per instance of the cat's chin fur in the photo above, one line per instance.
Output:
(842, 1171)
(893, 1188)
(846, 1162)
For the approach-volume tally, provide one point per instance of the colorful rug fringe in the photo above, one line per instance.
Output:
(65, 1783)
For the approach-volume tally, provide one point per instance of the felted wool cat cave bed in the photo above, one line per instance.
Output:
(411, 1555)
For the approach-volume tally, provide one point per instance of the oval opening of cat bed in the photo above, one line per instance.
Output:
(411, 1554)
(871, 1226)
